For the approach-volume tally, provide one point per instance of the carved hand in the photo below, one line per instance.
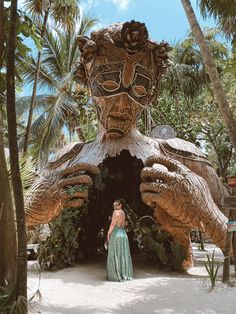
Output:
(184, 195)
(55, 190)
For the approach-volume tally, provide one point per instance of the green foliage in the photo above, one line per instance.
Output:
(66, 106)
(224, 12)
(158, 245)
(186, 101)
(27, 172)
(25, 28)
(212, 268)
(8, 304)
(62, 248)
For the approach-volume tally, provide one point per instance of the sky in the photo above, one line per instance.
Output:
(164, 19)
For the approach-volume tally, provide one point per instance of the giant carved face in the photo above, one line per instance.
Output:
(122, 76)
(120, 91)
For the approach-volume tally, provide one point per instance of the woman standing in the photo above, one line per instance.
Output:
(119, 262)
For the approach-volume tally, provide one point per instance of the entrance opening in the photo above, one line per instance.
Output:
(119, 178)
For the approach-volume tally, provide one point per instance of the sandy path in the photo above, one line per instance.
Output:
(84, 289)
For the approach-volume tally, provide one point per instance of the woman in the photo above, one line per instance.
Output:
(119, 262)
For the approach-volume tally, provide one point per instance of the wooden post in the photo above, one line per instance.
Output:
(201, 241)
(230, 203)
(234, 251)
(234, 233)
(227, 253)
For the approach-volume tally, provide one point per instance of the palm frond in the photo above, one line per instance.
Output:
(86, 24)
(54, 123)
(52, 54)
(224, 11)
(219, 8)
(23, 103)
(36, 7)
(65, 13)
(28, 67)
(27, 171)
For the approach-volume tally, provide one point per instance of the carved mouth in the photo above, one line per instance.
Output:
(114, 130)
(118, 123)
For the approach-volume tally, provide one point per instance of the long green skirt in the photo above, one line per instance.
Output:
(119, 262)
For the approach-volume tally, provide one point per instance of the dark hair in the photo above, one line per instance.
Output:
(124, 204)
(118, 201)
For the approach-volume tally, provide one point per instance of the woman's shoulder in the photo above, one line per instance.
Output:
(118, 212)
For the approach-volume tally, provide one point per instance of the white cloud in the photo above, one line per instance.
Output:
(121, 4)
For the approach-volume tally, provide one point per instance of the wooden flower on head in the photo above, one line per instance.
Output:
(134, 36)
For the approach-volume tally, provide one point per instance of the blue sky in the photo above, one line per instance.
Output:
(165, 19)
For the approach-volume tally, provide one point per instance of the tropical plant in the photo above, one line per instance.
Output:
(212, 268)
(64, 13)
(7, 222)
(158, 245)
(23, 28)
(219, 93)
(21, 280)
(223, 11)
(186, 102)
(65, 105)
(63, 247)
(8, 303)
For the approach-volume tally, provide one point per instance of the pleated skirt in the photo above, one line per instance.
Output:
(119, 262)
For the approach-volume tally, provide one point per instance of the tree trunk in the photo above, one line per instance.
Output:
(219, 93)
(21, 282)
(33, 98)
(2, 32)
(8, 263)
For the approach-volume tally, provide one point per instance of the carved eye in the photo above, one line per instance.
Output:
(139, 90)
(110, 85)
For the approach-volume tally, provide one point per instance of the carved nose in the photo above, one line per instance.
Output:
(123, 102)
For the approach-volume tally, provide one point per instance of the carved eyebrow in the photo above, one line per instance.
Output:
(143, 71)
(107, 68)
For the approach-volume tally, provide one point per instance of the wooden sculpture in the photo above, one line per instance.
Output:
(123, 68)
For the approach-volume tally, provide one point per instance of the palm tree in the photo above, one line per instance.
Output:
(219, 93)
(8, 259)
(8, 245)
(224, 11)
(184, 82)
(2, 32)
(21, 282)
(63, 105)
(64, 13)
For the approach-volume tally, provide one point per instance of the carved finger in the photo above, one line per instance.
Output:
(78, 194)
(151, 174)
(74, 203)
(78, 168)
(155, 187)
(171, 164)
(81, 179)
(151, 199)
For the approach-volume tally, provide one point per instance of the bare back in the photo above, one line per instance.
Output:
(119, 218)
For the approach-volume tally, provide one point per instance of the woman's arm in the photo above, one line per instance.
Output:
(112, 225)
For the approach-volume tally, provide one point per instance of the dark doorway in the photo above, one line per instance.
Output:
(119, 178)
